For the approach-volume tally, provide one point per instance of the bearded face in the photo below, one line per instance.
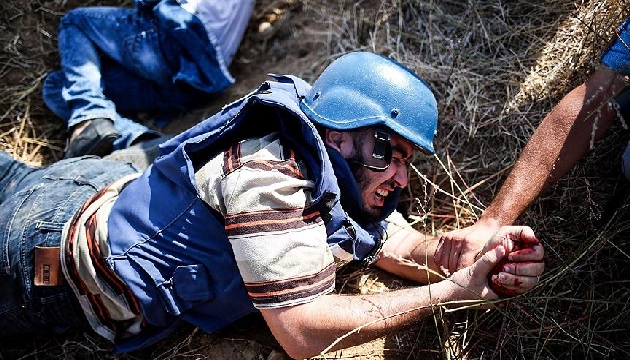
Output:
(375, 186)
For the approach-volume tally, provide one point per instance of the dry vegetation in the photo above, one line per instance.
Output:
(497, 67)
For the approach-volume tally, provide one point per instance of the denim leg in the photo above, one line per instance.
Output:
(11, 173)
(119, 34)
(128, 129)
(34, 215)
(51, 92)
(140, 94)
(80, 43)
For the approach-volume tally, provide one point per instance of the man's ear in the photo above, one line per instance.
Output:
(341, 141)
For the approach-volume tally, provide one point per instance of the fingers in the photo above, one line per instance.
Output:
(447, 254)
(508, 279)
(531, 268)
(533, 253)
(520, 241)
(512, 284)
(442, 254)
(520, 274)
(511, 261)
(474, 278)
(514, 237)
(456, 250)
(453, 260)
(489, 259)
(524, 234)
(517, 278)
(439, 250)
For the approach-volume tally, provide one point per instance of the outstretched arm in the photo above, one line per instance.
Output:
(564, 136)
(408, 253)
(332, 322)
(338, 321)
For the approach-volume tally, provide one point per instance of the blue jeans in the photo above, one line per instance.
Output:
(115, 61)
(35, 204)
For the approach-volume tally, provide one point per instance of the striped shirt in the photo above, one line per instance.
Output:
(278, 238)
(110, 308)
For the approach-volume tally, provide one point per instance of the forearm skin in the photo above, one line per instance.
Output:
(563, 137)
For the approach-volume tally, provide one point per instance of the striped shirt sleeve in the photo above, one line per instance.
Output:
(278, 238)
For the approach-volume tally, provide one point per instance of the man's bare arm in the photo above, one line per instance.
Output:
(408, 253)
(331, 322)
(564, 136)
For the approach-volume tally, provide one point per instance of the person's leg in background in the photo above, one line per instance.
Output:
(91, 39)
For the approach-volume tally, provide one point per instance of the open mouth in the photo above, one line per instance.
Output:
(381, 193)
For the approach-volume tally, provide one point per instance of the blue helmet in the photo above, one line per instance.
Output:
(362, 89)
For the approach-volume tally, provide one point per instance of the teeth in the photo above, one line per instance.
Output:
(382, 193)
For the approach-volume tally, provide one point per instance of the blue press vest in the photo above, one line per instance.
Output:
(171, 248)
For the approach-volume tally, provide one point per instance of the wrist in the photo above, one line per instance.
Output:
(450, 295)
(490, 221)
(500, 213)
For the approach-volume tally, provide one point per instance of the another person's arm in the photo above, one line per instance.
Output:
(564, 136)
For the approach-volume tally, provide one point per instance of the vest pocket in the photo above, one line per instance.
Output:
(189, 286)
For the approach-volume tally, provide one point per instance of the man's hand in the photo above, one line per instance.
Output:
(515, 274)
(458, 249)
(472, 281)
(509, 264)
(518, 272)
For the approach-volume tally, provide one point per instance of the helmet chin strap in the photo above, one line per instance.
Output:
(382, 152)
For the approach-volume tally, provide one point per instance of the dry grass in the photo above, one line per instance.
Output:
(497, 68)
